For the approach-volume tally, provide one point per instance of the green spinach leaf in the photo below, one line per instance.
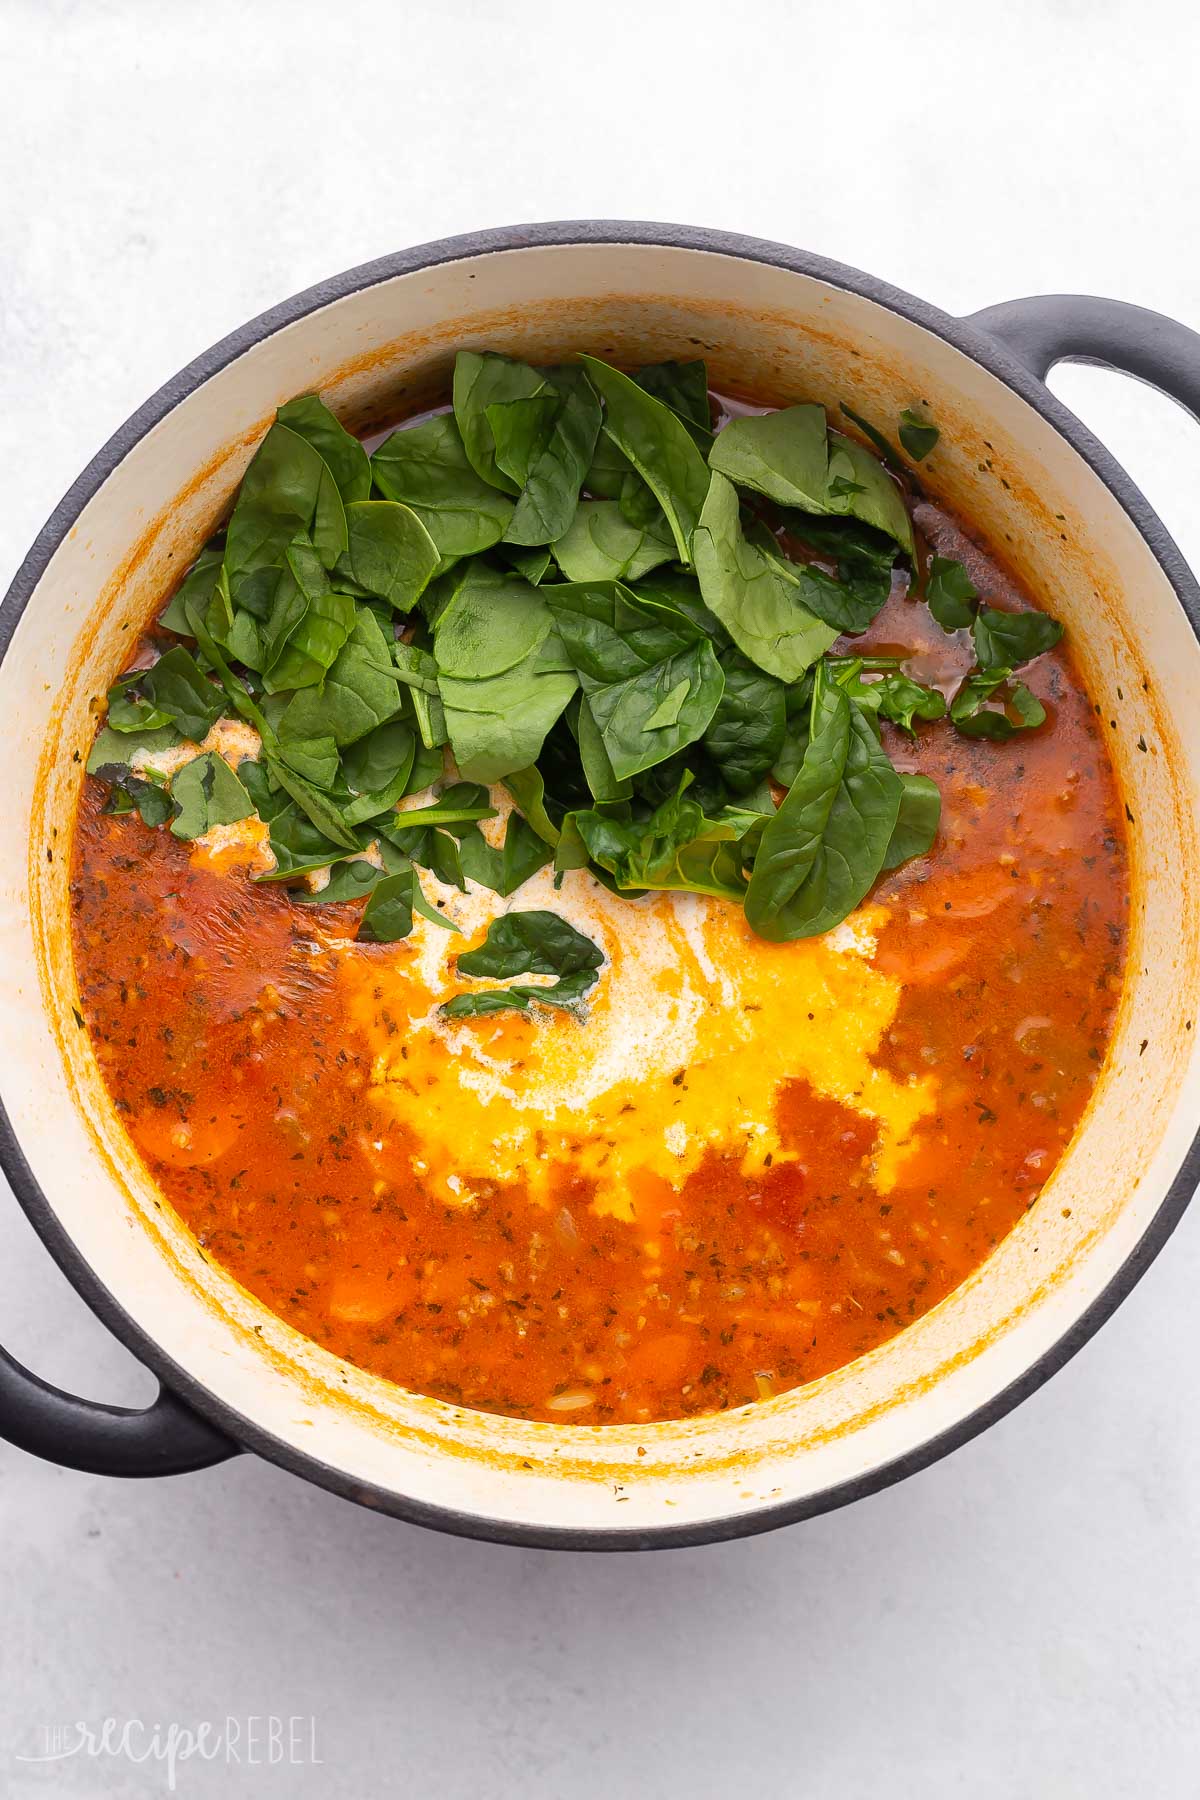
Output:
(482, 382)
(320, 630)
(784, 455)
(532, 565)
(898, 698)
(1016, 710)
(492, 622)
(132, 793)
(520, 431)
(869, 493)
(844, 605)
(287, 491)
(295, 842)
(528, 943)
(598, 771)
(651, 677)
(529, 792)
(558, 463)
(388, 914)
(820, 853)
(756, 594)
(321, 810)
(659, 447)
(127, 711)
(745, 735)
(427, 468)
(949, 591)
(418, 670)
(1005, 640)
(683, 386)
(316, 759)
(498, 724)
(374, 762)
(196, 587)
(207, 793)
(917, 435)
(238, 632)
(677, 849)
(376, 769)
(521, 854)
(390, 552)
(353, 879)
(178, 691)
(601, 545)
(355, 696)
(463, 803)
(916, 822)
(793, 458)
(347, 461)
(886, 449)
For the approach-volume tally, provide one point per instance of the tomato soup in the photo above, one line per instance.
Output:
(725, 1158)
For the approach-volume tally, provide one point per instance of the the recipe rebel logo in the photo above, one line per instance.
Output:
(251, 1741)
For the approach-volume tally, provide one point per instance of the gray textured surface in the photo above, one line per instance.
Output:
(1022, 1619)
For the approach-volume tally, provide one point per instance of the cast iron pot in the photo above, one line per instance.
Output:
(772, 321)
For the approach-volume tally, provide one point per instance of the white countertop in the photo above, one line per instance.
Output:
(1021, 1619)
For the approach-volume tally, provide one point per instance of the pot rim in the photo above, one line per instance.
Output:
(962, 335)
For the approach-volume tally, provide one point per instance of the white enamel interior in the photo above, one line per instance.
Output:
(763, 330)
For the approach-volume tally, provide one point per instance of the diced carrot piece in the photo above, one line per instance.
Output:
(659, 1361)
(364, 1297)
(185, 1143)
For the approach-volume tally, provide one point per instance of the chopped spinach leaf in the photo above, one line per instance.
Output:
(756, 594)
(553, 477)
(651, 677)
(532, 565)
(820, 853)
(390, 552)
(601, 545)
(917, 435)
(207, 793)
(341, 452)
(677, 848)
(117, 749)
(528, 789)
(521, 854)
(482, 382)
(658, 445)
(528, 943)
(916, 822)
(1005, 640)
(134, 793)
(886, 449)
(127, 711)
(980, 709)
(745, 735)
(178, 691)
(427, 468)
(388, 914)
(792, 458)
(949, 591)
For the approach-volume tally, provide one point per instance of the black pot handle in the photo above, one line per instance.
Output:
(165, 1438)
(1051, 328)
